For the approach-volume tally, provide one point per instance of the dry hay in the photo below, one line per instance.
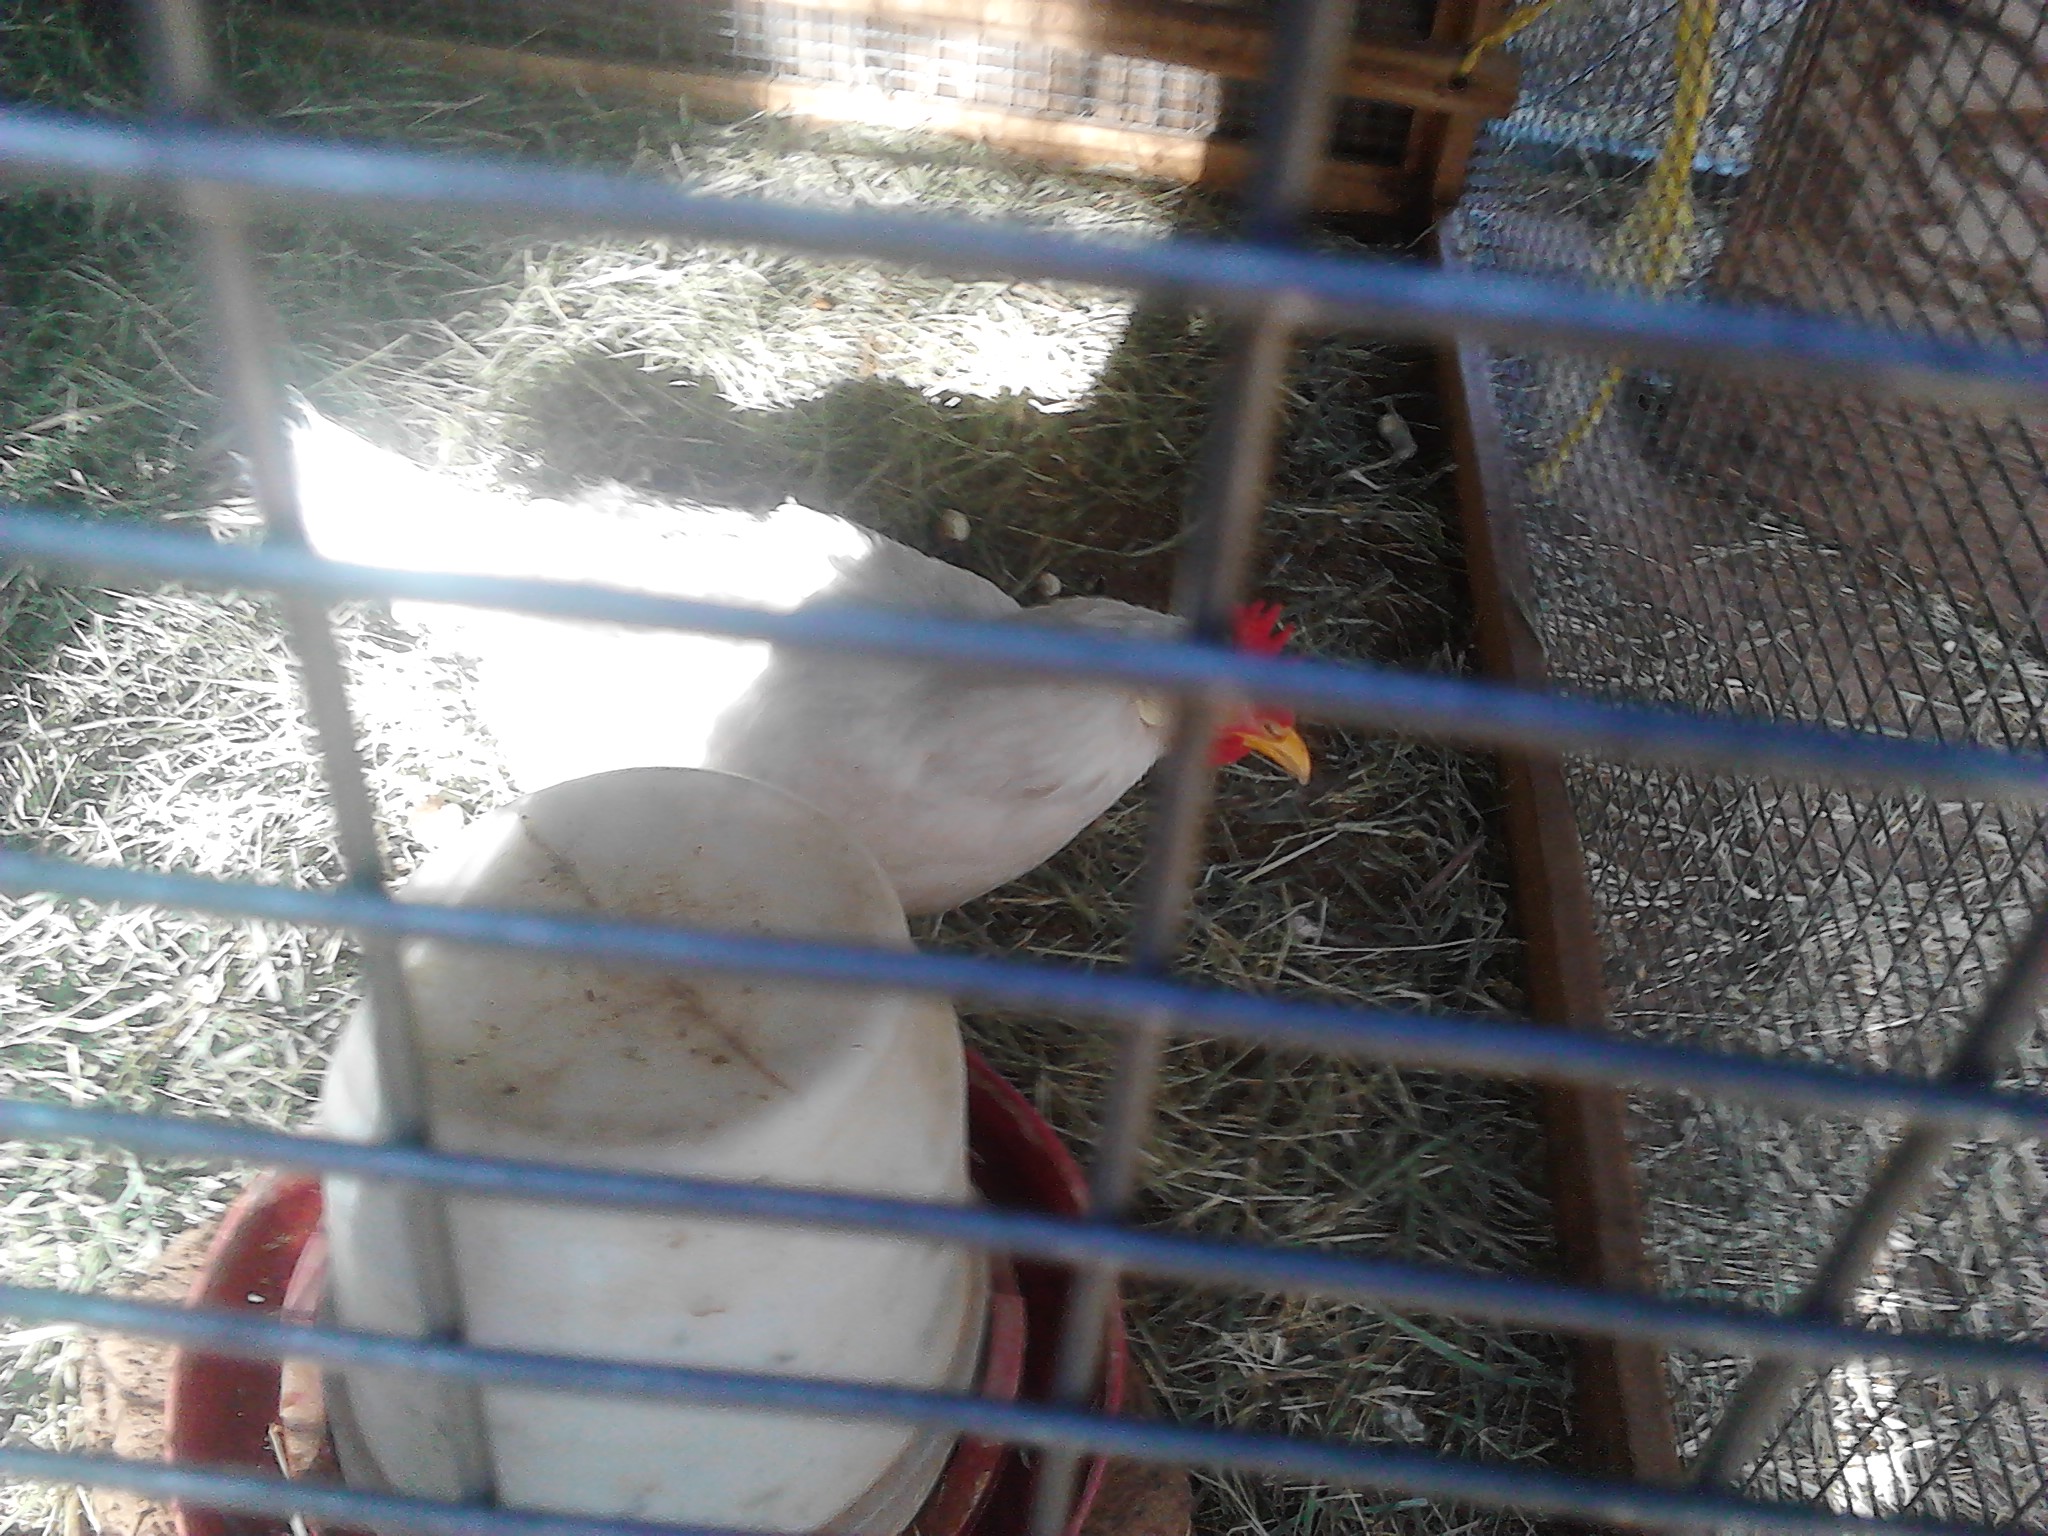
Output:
(162, 729)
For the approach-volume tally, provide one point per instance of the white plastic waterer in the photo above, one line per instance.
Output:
(576, 1061)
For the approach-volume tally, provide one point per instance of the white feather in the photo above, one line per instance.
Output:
(956, 785)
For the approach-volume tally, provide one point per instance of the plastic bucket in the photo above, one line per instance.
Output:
(754, 1080)
(266, 1258)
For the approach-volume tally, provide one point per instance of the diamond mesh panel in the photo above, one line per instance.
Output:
(1731, 545)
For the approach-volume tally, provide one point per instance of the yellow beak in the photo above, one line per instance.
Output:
(1282, 744)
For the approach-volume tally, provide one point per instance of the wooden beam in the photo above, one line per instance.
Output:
(1440, 145)
(1343, 187)
(1621, 1411)
(1223, 40)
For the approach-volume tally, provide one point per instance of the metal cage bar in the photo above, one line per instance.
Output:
(1269, 287)
(1983, 1055)
(1396, 1283)
(184, 90)
(1462, 711)
(1454, 1042)
(1222, 518)
(1399, 298)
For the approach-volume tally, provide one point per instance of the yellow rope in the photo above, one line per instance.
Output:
(1522, 17)
(1650, 249)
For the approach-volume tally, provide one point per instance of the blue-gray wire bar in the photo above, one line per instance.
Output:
(1465, 711)
(184, 91)
(1630, 1505)
(1032, 1424)
(1986, 1053)
(1400, 1285)
(1050, 1426)
(1224, 504)
(1265, 286)
(1399, 298)
(1452, 1042)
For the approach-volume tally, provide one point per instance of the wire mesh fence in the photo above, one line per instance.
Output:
(1813, 930)
(1799, 554)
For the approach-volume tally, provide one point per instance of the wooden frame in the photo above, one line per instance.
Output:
(1075, 143)
(1623, 1425)
(1219, 39)
(1423, 76)
(1440, 144)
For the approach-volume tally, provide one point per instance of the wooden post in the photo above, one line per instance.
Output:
(1440, 144)
(1622, 1421)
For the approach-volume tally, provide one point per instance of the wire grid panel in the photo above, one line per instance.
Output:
(1461, 711)
(1826, 556)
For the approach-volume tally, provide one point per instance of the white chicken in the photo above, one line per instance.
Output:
(955, 783)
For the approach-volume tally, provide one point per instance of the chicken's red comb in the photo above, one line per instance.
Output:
(1259, 630)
